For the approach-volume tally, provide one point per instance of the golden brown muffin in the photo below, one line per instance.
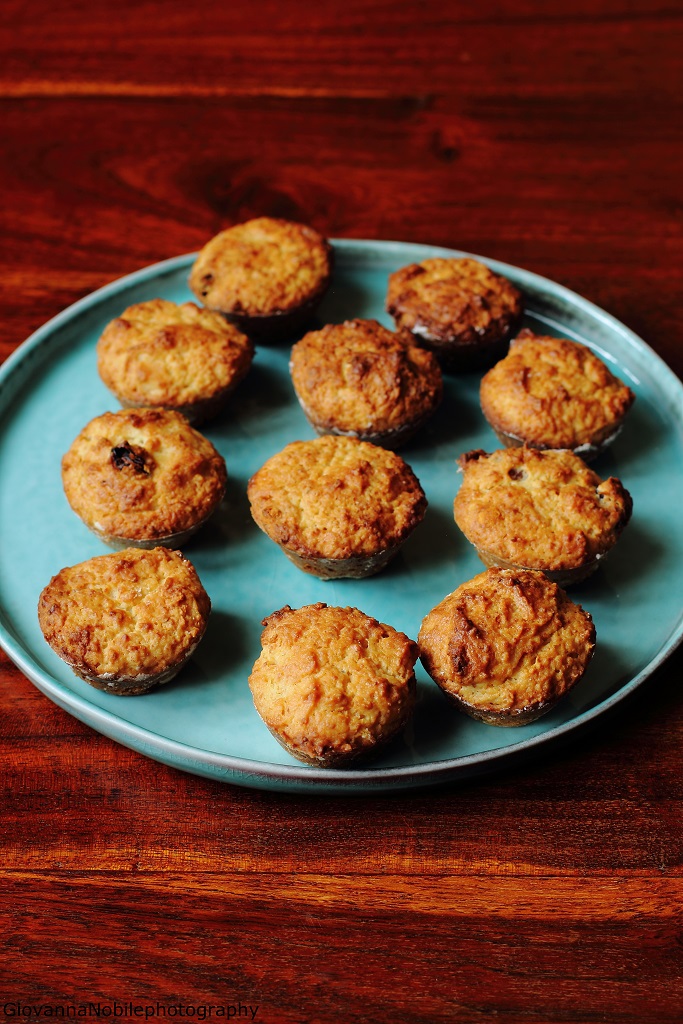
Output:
(546, 510)
(143, 477)
(553, 393)
(125, 622)
(359, 379)
(457, 307)
(506, 645)
(337, 506)
(333, 685)
(266, 275)
(158, 353)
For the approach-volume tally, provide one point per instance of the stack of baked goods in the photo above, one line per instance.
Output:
(333, 684)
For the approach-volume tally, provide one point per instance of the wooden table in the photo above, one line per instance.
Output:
(544, 135)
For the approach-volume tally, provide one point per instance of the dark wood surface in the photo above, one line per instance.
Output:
(545, 135)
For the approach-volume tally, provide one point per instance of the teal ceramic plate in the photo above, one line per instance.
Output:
(204, 721)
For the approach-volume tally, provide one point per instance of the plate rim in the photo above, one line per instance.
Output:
(295, 777)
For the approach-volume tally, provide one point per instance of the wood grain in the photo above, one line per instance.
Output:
(547, 136)
(349, 951)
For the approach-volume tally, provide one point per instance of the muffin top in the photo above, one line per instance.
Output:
(142, 474)
(158, 353)
(336, 497)
(362, 378)
(539, 509)
(553, 393)
(453, 300)
(506, 640)
(332, 683)
(262, 267)
(125, 616)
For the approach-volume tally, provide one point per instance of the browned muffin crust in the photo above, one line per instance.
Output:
(541, 510)
(180, 357)
(263, 271)
(506, 645)
(336, 500)
(360, 379)
(125, 622)
(333, 685)
(458, 307)
(143, 477)
(554, 393)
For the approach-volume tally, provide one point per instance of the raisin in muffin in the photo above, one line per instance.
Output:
(128, 621)
(458, 307)
(179, 357)
(362, 380)
(506, 646)
(337, 506)
(266, 275)
(333, 685)
(546, 510)
(142, 477)
(554, 393)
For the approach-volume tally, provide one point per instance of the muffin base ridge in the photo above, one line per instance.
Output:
(194, 412)
(587, 451)
(464, 357)
(389, 439)
(276, 327)
(357, 567)
(336, 759)
(563, 577)
(171, 540)
(131, 686)
(505, 719)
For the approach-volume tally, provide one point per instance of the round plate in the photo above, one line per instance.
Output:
(204, 721)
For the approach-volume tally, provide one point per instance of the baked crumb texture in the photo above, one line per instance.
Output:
(337, 506)
(143, 477)
(523, 508)
(179, 357)
(458, 307)
(266, 275)
(128, 621)
(506, 646)
(554, 393)
(332, 684)
(360, 379)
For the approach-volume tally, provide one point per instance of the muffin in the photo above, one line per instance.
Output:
(158, 353)
(457, 307)
(333, 685)
(554, 393)
(362, 380)
(125, 622)
(506, 646)
(337, 506)
(266, 275)
(545, 510)
(142, 477)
